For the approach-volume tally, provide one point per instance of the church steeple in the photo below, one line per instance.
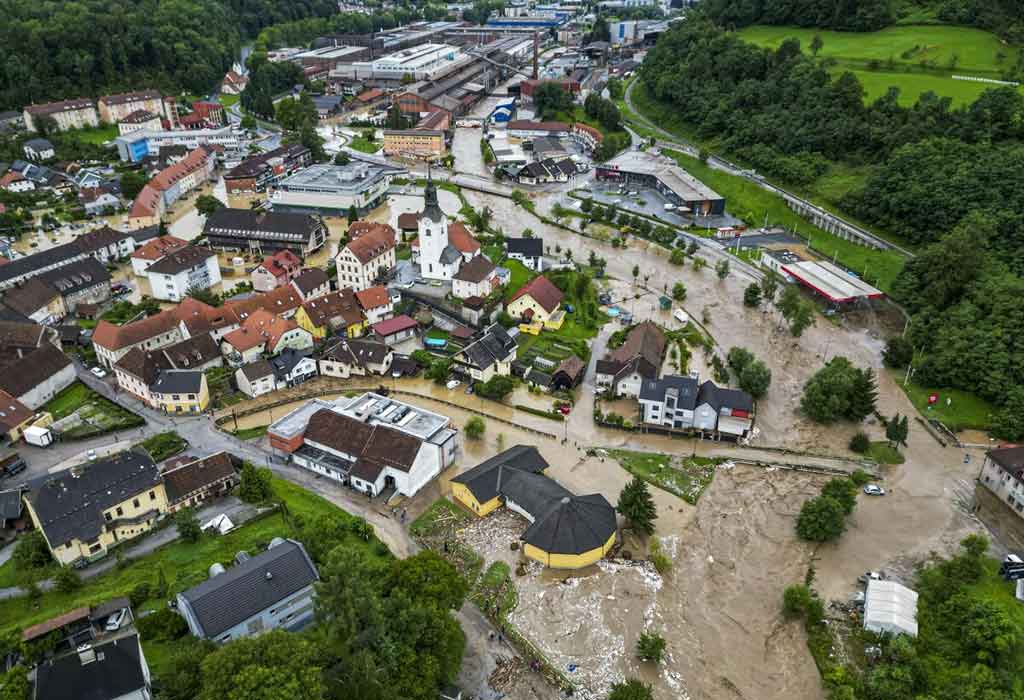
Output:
(432, 210)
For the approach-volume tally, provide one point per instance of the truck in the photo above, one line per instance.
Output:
(11, 464)
(40, 437)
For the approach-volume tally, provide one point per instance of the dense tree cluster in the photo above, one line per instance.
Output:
(55, 50)
(550, 98)
(860, 16)
(839, 391)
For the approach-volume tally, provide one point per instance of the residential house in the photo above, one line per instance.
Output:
(111, 669)
(639, 358)
(82, 282)
(281, 301)
(346, 357)
(272, 590)
(293, 367)
(36, 376)
(408, 224)
(38, 150)
(200, 352)
(679, 403)
(537, 300)
(180, 391)
(153, 251)
(377, 304)
(395, 330)
(276, 270)
(335, 313)
(565, 532)
(257, 173)
(568, 374)
(14, 417)
(98, 201)
(263, 332)
(366, 260)
(234, 83)
(170, 185)
(67, 114)
(256, 378)
(528, 251)
(265, 232)
(1002, 473)
(547, 170)
(85, 511)
(474, 279)
(139, 120)
(312, 283)
(16, 182)
(490, 354)
(37, 301)
(172, 277)
(191, 484)
(587, 137)
(114, 108)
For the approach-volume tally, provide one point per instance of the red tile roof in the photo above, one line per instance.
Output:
(281, 263)
(371, 245)
(159, 247)
(370, 95)
(394, 325)
(542, 291)
(372, 297)
(460, 237)
(260, 328)
(361, 228)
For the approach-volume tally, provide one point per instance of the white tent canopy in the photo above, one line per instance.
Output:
(890, 607)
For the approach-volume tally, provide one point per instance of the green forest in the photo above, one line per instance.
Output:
(76, 48)
(1005, 17)
(941, 178)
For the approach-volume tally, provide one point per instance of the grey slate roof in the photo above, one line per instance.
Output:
(248, 588)
(718, 397)
(257, 370)
(484, 480)
(116, 672)
(536, 493)
(178, 381)
(494, 344)
(284, 363)
(79, 275)
(654, 390)
(528, 247)
(573, 525)
(449, 255)
(70, 506)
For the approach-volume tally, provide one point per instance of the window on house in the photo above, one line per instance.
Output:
(108, 516)
(152, 495)
(120, 511)
(135, 502)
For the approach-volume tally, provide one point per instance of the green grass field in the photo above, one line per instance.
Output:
(687, 482)
(965, 410)
(364, 146)
(98, 135)
(915, 59)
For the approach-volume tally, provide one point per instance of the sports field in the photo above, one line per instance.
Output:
(915, 59)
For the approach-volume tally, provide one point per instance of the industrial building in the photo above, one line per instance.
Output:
(135, 146)
(256, 173)
(265, 232)
(662, 174)
(330, 190)
(421, 63)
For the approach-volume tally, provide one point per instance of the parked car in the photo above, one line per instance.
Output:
(453, 384)
(874, 490)
(115, 621)
(98, 372)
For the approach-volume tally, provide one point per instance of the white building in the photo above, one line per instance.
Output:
(890, 608)
(347, 357)
(528, 251)
(364, 261)
(490, 354)
(441, 247)
(256, 378)
(475, 279)
(371, 442)
(1002, 473)
(421, 62)
(681, 404)
(171, 278)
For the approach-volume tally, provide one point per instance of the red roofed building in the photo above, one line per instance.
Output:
(586, 136)
(395, 330)
(537, 300)
(154, 250)
(263, 332)
(233, 83)
(276, 270)
(362, 227)
(168, 186)
(376, 304)
(367, 259)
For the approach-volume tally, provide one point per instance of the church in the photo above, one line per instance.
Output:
(441, 247)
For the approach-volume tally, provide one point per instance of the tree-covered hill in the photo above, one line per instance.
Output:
(74, 48)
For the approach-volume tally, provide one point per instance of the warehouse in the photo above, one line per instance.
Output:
(890, 608)
(565, 532)
(662, 174)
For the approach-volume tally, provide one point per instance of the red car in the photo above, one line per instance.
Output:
(564, 409)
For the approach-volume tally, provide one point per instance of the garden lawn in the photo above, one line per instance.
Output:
(965, 410)
(164, 445)
(228, 100)
(97, 135)
(751, 203)
(883, 453)
(687, 482)
(70, 400)
(183, 564)
(520, 274)
(496, 588)
(251, 433)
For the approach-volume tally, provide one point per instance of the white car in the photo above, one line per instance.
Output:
(98, 372)
(114, 621)
(453, 384)
(874, 490)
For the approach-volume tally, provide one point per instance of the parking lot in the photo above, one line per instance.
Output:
(650, 202)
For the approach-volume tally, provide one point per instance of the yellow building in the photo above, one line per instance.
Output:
(420, 143)
(328, 314)
(537, 300)
(16, 416)
(91, 508)
(565, 532)
(180, 391)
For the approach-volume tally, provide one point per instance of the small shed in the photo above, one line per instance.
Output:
(891, 608)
